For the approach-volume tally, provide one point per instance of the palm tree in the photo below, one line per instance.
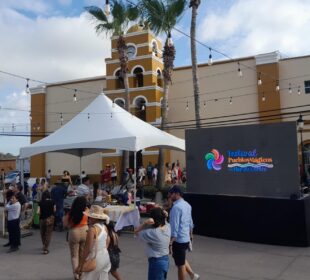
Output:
(194, 4)
(161, 16)
(122, 15)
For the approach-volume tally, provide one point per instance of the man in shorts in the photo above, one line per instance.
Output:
(181, 230)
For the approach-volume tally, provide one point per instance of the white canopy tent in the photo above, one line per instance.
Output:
(103, 125)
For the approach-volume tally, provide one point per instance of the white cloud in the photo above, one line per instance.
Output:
(47, 49)
(51, 49)
(37, 6)
(65, 2)
(251, 27)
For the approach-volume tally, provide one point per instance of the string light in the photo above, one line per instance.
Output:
(277, 86)
(27, 87)
(210, 61)
(259, 81)
(290, 88)
(299, 92)
(143, 107)
(169, 41)
(239, 70)
(187, 108)
(263, 97)
(74, 96)
(230, 100)
(107, 8)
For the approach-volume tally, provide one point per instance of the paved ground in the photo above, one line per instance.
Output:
(213, 259)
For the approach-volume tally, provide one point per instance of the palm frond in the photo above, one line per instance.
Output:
(96, 13)
(155, 12)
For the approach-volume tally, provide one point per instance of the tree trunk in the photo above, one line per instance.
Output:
(123, 58)
(194, 5)
(164, 119)
(125, 163)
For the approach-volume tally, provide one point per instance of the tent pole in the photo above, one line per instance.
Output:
(22, 173)
(135, 178)
(80, 169)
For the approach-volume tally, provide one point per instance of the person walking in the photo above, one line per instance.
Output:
(114, 251)
(156, 233)
(13, 209)
(96, 246)
(46, 210)
(76, 221)
(181, 229)
(58, 194)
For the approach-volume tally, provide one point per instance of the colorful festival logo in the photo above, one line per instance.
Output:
(214, 160)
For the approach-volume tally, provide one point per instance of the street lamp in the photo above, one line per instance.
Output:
(300, 125)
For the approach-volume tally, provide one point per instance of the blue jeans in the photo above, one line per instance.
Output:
(158, 268)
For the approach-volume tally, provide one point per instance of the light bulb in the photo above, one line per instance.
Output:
(27, 87)
(230, 101)
(239, 71)
(143, 107)
(210, 61)
(290, 88)
(204, 104)
(299, 92)
(259, 81)
(30, 116)
(113, 104)
(277, 88)
(74, 98)
(263, 98)
(169, 41)
(107, 8)
(187, 106)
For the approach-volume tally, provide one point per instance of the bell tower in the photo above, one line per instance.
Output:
(145, 67)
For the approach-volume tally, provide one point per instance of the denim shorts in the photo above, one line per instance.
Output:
(158, 268)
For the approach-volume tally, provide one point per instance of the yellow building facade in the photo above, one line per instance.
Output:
(225, 96)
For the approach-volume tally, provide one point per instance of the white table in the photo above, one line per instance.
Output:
(123, 216)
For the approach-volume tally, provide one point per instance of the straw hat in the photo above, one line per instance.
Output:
(97, 212)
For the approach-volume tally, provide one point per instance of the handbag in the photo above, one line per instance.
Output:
(90, 265)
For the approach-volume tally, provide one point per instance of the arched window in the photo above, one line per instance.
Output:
(154, 48)
(159, 79)
(138, 78)
(119, 81)
(120, 102)
(140, 105)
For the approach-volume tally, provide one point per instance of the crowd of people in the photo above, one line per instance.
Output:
(90, 234)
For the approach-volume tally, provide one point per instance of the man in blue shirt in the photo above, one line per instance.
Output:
(181, 229)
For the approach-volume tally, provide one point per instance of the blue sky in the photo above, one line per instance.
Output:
(53, 41)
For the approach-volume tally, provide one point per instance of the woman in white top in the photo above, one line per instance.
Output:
(13, 209)
(96, 245)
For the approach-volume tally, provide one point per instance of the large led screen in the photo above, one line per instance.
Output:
(250, 160)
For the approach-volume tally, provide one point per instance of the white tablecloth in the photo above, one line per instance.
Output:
(124, 216)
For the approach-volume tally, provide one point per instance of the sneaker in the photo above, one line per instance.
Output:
(196, 276)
